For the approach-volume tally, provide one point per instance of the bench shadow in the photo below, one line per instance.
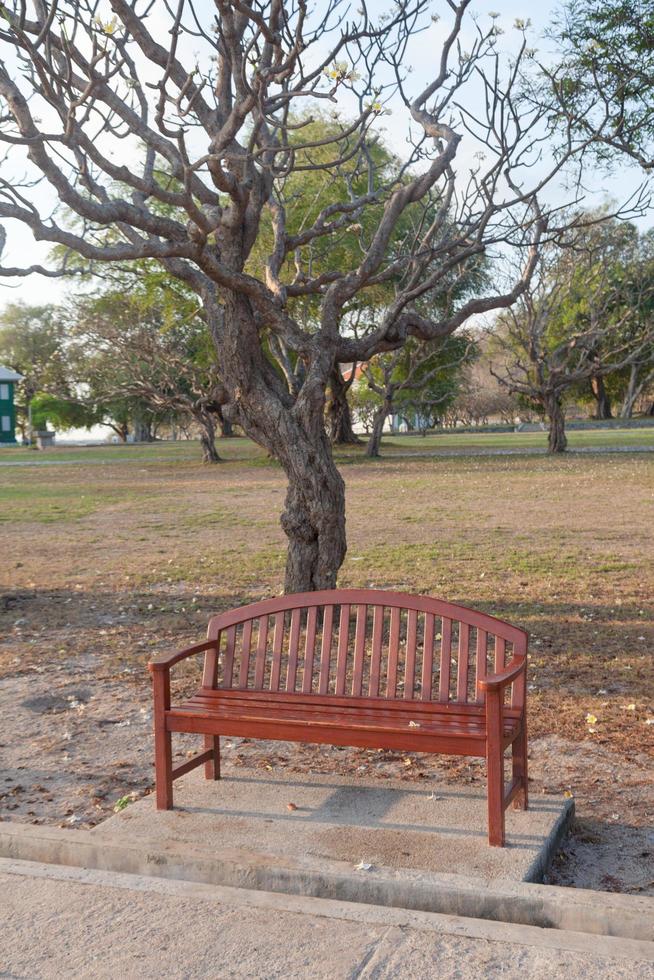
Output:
(367, 807)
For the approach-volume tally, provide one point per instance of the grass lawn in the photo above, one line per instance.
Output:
(106, 564)
(245, 450)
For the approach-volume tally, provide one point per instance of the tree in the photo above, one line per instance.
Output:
(577, 321)
(604, 81)
(61, 413)
(32, 343)
(418, 379)
(217, 114)
(138, 342)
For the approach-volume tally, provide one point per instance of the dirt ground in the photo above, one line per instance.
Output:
(107, 565)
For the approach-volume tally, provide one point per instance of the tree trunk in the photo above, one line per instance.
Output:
(557, 440)
(142, 429)
(602, 400)
(293, 431)
(314, 522)
(374, 442)
(339, 416)
(226, 427)
(208, 438)
(631, 394)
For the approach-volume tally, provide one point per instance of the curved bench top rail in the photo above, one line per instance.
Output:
(370, 597)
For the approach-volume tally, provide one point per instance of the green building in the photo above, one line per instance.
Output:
(7, 408)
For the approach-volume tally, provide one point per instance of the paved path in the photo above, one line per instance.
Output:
(74, 923)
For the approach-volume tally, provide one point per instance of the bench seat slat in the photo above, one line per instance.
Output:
(332, 734)
(353, 716)
(379, 703)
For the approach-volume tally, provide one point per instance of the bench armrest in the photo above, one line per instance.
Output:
(165, 663)
(495, 682)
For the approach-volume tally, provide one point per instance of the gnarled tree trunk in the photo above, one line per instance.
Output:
(313, 520)
(208, 438)
(293, 431)
(338, 414)
(557, 440)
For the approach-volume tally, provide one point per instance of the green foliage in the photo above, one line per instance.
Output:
(608, 63)
(32, 342)
(63, 414)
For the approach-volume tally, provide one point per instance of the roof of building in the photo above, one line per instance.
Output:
(7, 375)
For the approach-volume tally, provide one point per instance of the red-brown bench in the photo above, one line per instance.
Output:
(356, 667)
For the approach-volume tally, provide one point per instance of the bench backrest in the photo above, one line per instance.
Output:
(362, 643)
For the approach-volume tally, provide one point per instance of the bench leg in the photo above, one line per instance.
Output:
(212, 767)
(495, 769)
(519, 759)
(163, 754)
(163, 764)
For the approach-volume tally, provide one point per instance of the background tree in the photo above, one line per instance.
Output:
(32, 343)
(417, 380)
(480, 396)
(604, 80)
(578, 320)
(218, 109)
(140, 343)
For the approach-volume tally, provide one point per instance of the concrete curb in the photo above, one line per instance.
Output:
(324, 908)
(541, 863)
(576, 910)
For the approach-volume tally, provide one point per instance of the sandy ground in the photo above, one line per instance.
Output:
(109, 565)
(90, 745)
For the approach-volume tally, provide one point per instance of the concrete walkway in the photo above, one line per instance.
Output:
(76, 923)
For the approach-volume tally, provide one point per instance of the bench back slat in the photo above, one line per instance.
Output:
(410, 657)
(326, 649)
(260, 662)
(309, 650)
(359, 650)
(393, 653)
(446, 660)
(376, 652)
(277, 652)
(230, 650)
(426, 681)
(294, 643)
(355, 642)
(246, 646)
(481, 661)
(462, 670)
(343, 645)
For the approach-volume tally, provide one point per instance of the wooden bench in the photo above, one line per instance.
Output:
(356, 667)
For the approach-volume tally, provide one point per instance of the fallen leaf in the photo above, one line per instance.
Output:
(630, 707)
(291, 806)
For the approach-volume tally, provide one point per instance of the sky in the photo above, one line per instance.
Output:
(600, 186)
